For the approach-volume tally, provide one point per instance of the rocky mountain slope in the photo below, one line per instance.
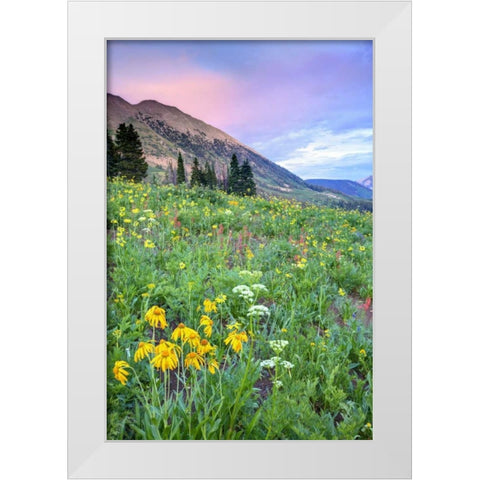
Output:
(165, 130)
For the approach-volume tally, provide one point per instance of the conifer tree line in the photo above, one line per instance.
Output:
(239, 179)
(203, 177)
(125, 158)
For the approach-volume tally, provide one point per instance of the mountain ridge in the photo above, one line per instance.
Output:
(165, 130)
(348, 187)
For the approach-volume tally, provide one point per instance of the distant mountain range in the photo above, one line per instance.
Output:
(348, 187)
(165, 130)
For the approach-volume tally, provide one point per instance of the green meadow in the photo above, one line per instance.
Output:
(239, 318)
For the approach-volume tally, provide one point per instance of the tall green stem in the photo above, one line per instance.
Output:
(236, 405)
(143, 393)
(274, 395)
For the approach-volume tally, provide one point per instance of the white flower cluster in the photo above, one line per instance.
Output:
(228, 212)
(258, 287)
(258, 311)
(278, 383)
(243, 292)
(272, 362)
(278, 345)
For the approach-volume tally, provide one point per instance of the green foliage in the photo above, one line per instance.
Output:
(126, 155)
(196, 179)
(176, 247)
(181, 176)
(112, 158)
(240, 178)
(234, 181)
(247, 182)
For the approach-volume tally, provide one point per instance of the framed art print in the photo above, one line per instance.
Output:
(239, 239)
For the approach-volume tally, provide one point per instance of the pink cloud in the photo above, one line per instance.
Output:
(202, 94)
(220, 99)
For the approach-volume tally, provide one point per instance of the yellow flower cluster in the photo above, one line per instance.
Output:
(209, 306)
(235, 339)
(165, 355)
(302, 263)
(197, 352)
(148, 244)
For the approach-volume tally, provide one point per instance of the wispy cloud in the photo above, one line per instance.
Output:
(321, 153)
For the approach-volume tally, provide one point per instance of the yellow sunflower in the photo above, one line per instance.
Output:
(195, 360)
(119, 371)
(235, 339)
(193, 338)
(166, 345)
(155, 316)
(143, 349)
(212, 365)
(204, 347)
(166, 360)
(183, 332)
(207, 322)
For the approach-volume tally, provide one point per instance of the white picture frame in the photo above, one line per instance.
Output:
(388, 24)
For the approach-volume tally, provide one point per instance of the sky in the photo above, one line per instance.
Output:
(306, 105)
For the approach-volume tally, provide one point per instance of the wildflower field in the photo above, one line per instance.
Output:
(236, 318)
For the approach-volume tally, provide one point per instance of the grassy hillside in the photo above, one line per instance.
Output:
(236, 318)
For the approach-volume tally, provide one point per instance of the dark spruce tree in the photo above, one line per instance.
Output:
(233, 180)
(247, 182)
(196, 178)
(112, 158)
(131, 161)
(203, 176)
(181, 177)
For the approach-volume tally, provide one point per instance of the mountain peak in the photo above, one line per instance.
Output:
(367, 182)
(165, 130)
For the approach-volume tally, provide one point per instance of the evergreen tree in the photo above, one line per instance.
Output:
(234, 176)
(112, 158)
(196, 178)
(181, 177)
(247, 182)
(203, 176)
(131, 161)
